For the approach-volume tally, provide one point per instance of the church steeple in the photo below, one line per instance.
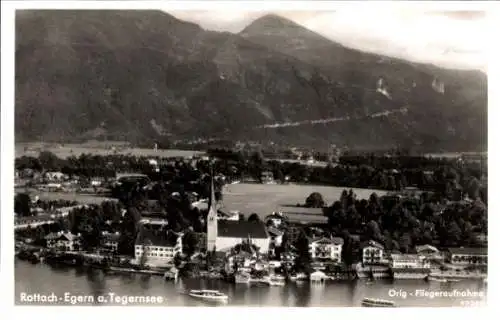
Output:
(212, 216)
(211, 201)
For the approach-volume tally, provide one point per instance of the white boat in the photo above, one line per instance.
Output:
(371, 302)
(276, 281)
(242, 278)
(209, 295)
(301, 277)
(437, 279)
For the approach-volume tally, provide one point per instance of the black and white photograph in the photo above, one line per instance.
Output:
(257, 156)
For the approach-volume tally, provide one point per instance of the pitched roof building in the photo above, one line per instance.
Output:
(223, 235)
(155, 248)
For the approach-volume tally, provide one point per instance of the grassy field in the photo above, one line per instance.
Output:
(321, 164)
(70, 196)
(248, 198)
(263, 199)
(33, 150)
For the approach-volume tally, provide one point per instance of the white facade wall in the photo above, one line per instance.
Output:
(62, 245)
(468, 259)
(226, 243)
(111, 244)
(414, 263)
(157, 255)
(334, 251)
(277, 240)
(372, 254)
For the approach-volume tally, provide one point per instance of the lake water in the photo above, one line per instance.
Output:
(44, 280)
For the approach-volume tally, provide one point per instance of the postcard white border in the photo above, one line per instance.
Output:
(7, 160)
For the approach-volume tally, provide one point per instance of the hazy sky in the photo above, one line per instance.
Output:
(450, 39)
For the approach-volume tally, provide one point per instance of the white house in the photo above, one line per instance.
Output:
(276, 236)
(32, 222)
(408, 261)
(275, 219)
(409, 266)
(157, 249)
(324, 248)
(373, 252)
(63, 241)
(318, 277)
(430, 253)
(468, 256)
(153, 219)
(110, 240)
(55, 176)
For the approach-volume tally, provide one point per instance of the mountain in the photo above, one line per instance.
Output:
(145, 76)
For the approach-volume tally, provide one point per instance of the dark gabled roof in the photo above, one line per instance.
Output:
(152, 238)
(275, 231)
(425, 248)
(241, 229)
(306, 218)
(39, 218)
(301, 210)
(325, 240)
(471, 251)
(111, 237)
(372, 243)
(61, 236)
(153, 214)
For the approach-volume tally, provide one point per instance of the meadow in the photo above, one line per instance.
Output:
(70, 196)
(247, 198)
(67, 150)
(263, 199)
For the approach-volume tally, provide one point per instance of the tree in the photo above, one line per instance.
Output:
(315, 200)
(373, 231)
(453, 234)
(22, 204)
(190, 243)
(48, 160)
(303, 261)
(254, 217)
(473, 187)
(280, 176)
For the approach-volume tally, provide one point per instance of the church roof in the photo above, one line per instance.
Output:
(241, 229)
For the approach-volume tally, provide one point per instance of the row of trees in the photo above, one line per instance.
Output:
(399, 224)
(402, 224)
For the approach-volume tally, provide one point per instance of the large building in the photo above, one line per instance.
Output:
(468, 256)
(326, 249)
(63, 241)
(231, 233)
(157, 249)
(373, 252)
(222, 235)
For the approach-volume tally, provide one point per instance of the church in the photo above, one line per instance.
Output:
(223, 234)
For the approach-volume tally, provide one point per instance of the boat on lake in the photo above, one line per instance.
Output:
(241, 277)
(436, 279)
(209, 295)
(276, 281)
(381, 303)
(299, 277)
